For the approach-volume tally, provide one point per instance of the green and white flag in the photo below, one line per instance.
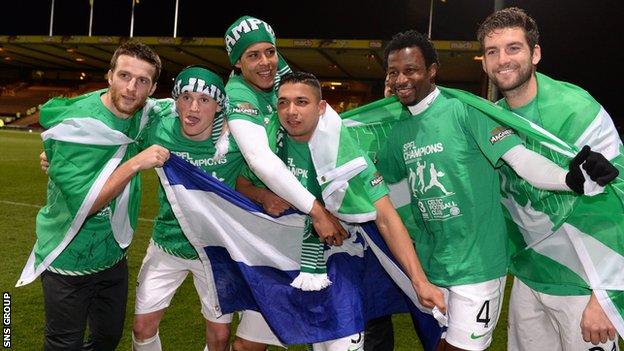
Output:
(337, 160)
(71, 124)
(587, 237)
(370, 126)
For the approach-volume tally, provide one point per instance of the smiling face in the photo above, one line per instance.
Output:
(258, 64)
(509, 61)
(196, 112)
(130, 84)
(408, 75)
(299, 108)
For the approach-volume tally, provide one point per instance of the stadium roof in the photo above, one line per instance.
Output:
(328, 59)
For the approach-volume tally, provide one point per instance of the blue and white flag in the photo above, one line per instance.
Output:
(254, 258)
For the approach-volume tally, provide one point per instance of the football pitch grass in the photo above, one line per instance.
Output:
(22, 193)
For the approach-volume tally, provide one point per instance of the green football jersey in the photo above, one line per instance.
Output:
(167, 132)
(73, 170)
(296, 156)
(448, 152)
(256, 106)
(250, 104)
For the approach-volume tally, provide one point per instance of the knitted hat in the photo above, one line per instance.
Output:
(199, 79)
(244, 32)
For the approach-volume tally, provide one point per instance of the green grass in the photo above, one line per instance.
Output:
(22, 191)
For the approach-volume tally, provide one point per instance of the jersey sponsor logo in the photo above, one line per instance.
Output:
(246, 109)
(500, 133)
(299, 173)
(201, 162)
(412, 151)
(378, 179)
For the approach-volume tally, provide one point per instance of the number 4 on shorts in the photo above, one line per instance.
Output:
(484, 314)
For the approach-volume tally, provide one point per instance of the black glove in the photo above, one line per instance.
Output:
(599, 169)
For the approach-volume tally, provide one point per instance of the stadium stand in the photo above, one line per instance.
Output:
(20, 102)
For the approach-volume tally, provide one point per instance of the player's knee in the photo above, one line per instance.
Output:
(144, 328)
(218, 333)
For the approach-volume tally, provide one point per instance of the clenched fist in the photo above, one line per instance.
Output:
(153, 156)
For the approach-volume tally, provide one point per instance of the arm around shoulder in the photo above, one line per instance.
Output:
(153, 156)
(254, 145)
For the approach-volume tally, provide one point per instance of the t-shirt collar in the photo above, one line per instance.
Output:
(424, 103)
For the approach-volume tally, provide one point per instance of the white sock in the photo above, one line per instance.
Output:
(151, 344)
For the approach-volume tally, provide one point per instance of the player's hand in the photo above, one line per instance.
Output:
(595, 325)
(327, 226)
(598, 168)
(430, 296)
(153, 156)
(273, 204)
(43, 162)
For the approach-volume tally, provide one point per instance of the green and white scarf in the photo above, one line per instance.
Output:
(337, 161)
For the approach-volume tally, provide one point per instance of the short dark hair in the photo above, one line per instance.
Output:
(304, 78)
(508, 18)
(408, 39)
(140, 51)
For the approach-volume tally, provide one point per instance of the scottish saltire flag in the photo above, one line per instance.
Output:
(254, 258)
(588, 237)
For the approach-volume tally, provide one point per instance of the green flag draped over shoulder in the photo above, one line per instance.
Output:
(588, 239)
(370, 125)
(337, 161)
(77, 175)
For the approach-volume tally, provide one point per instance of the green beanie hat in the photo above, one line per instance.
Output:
(244, 32)
(202, 80)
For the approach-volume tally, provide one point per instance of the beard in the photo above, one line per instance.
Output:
(117, 101)
(523, 76)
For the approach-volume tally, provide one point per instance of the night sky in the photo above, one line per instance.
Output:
(582, 41)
